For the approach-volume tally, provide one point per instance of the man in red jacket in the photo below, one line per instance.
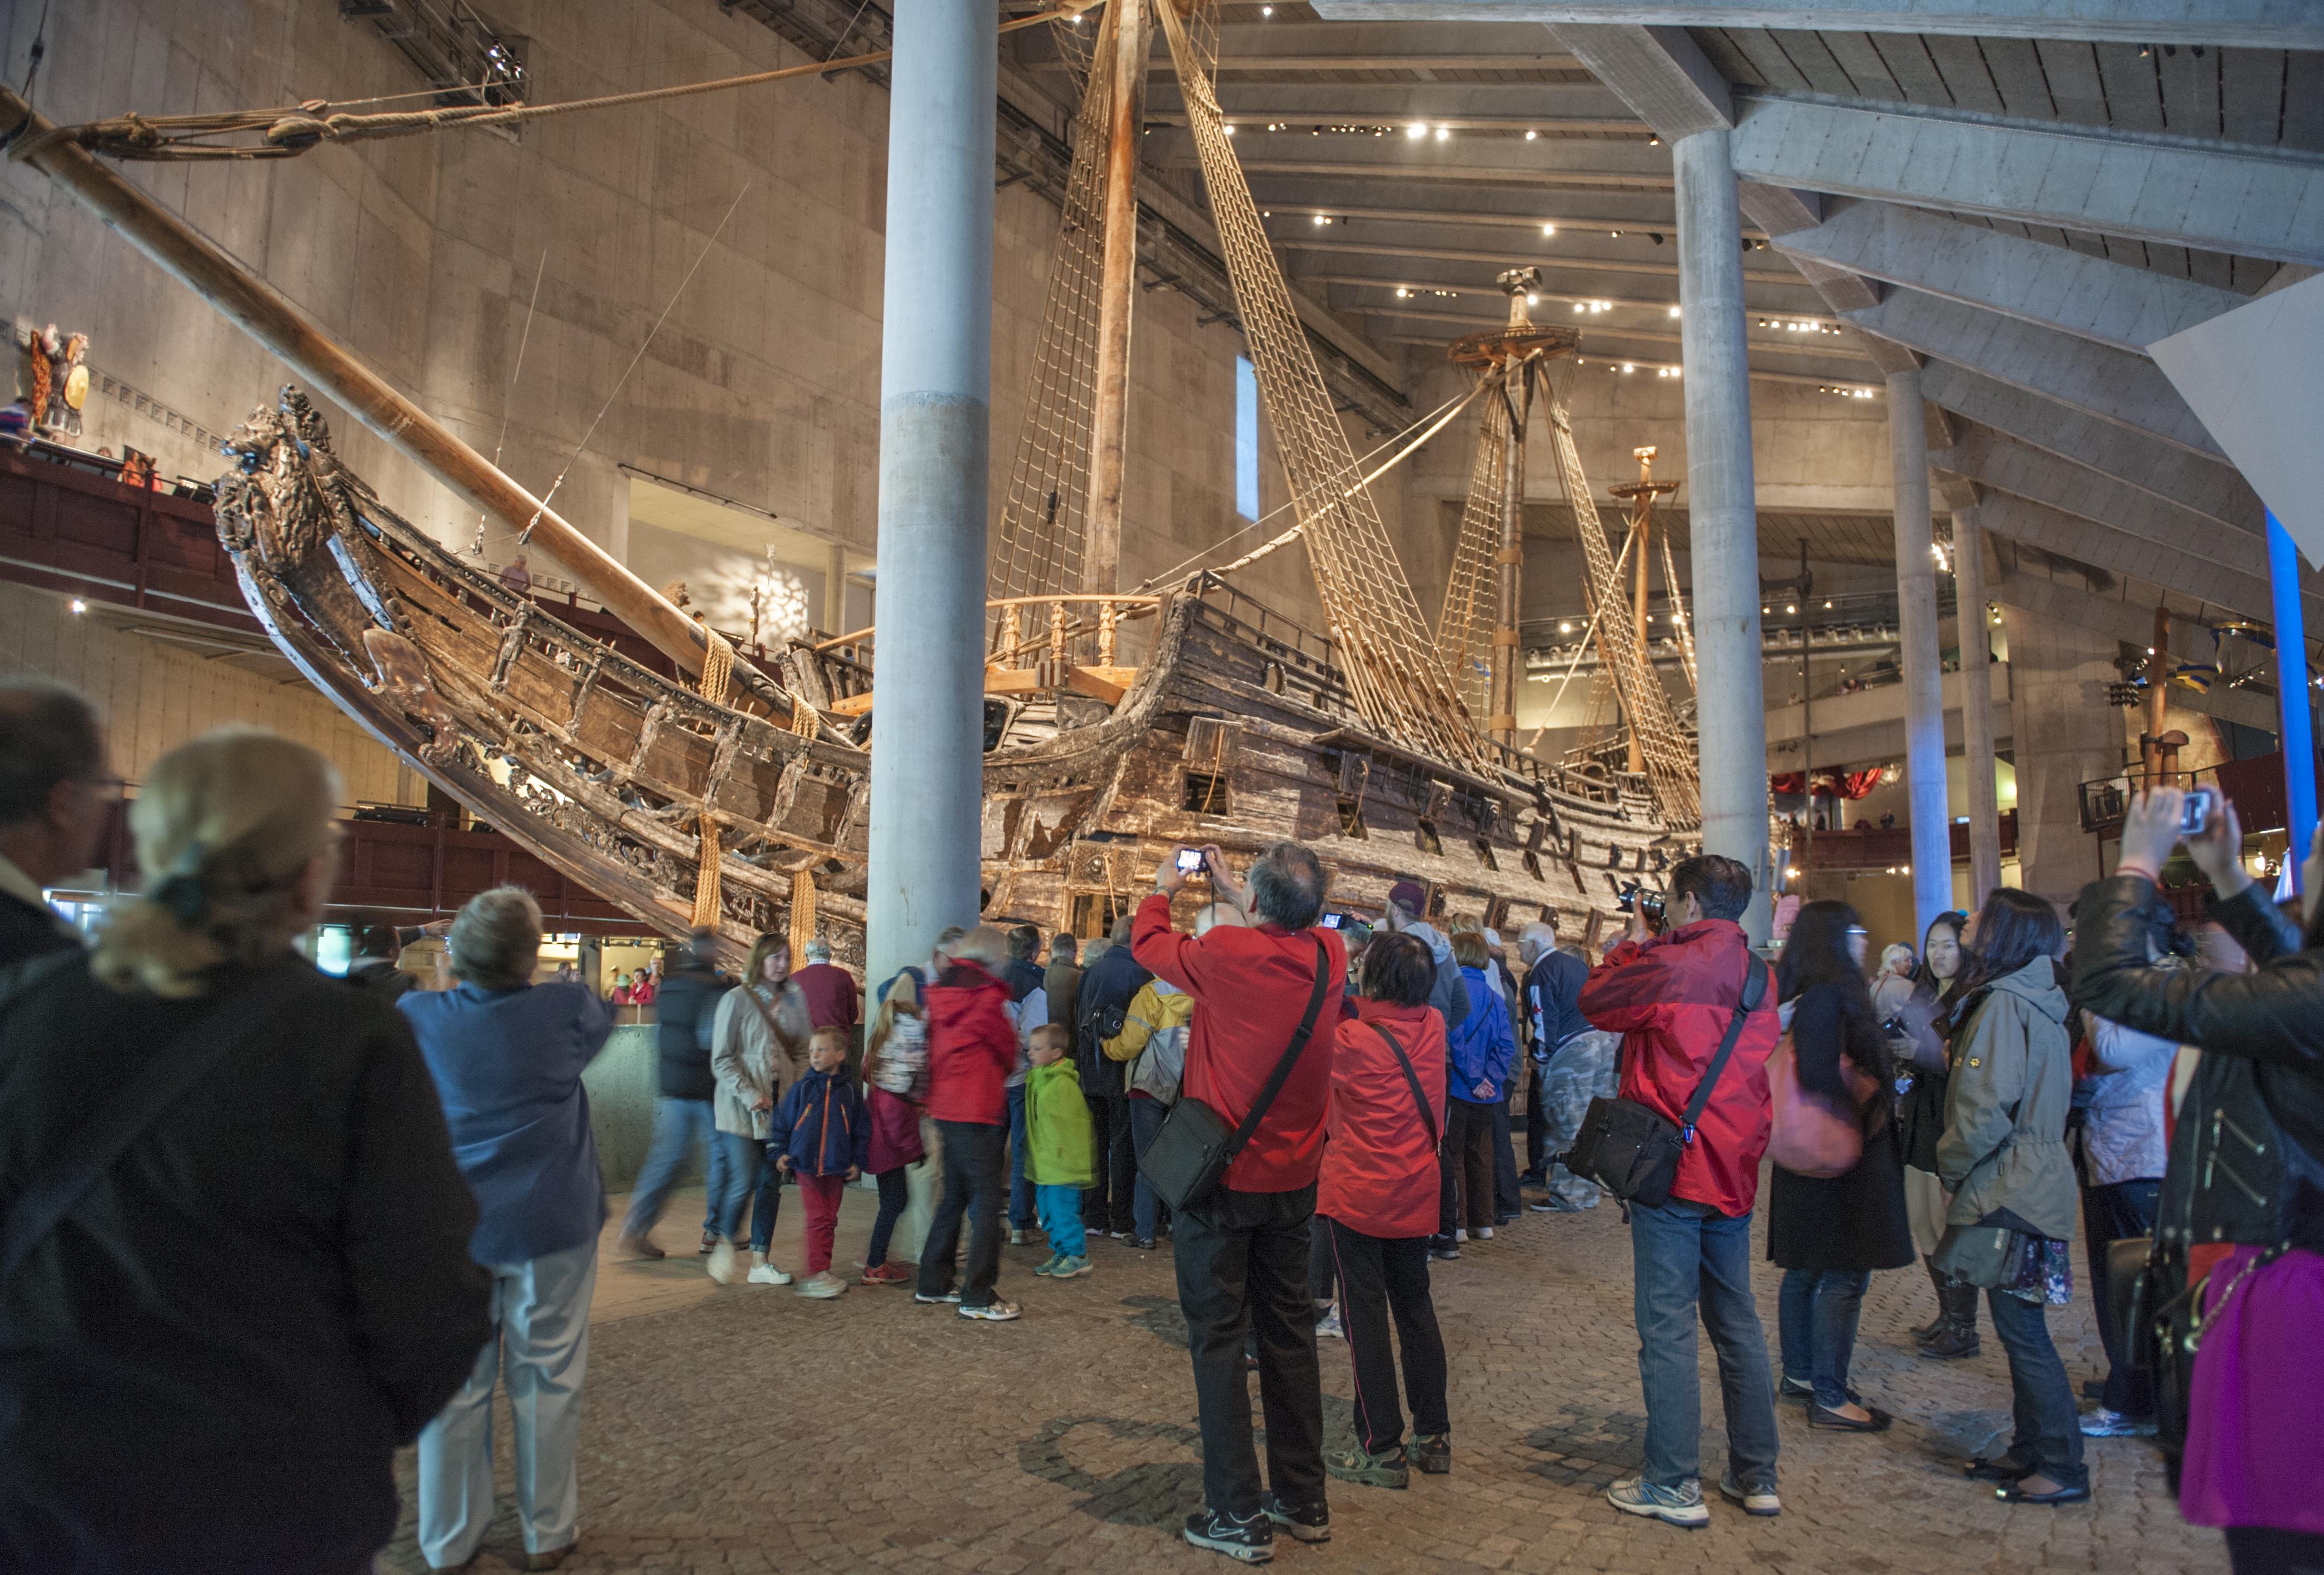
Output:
(1672, 997)
(972, 1051)
(1242, 1254)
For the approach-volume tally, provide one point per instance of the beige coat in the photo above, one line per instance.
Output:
(752, 1064)
(2013, 1083)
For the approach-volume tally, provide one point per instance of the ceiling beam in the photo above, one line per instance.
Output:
(1492, 161)
(2091, 298)
(1488, 210)
(1320, 238)
(1660, 72)
(2210, 487)
(1556, 301)
(2179, 190)
(2293, 24)
(1323, 46)
(1549, 107)
(1598, 335)
(2113, 384)
(2063, 534)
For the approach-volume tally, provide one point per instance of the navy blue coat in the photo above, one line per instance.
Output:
(821, 1124)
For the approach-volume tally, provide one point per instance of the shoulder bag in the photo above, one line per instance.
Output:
(1632, 1151)
(1412, 1081)
(144, 1099)
(1190, 1154)
(1810, 1134)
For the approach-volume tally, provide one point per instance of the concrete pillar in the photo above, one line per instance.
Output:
(1722, 518)
(834, 590)
(1976, 638)
(2063, 733)
(1916, 628)
(2298, 735)
(936, 374)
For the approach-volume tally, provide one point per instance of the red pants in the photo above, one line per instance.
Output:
(820, 1196)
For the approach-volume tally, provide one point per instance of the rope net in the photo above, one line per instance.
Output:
(1387, 654)
(1465, 627)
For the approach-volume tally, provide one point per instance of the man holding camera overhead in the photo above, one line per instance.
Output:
(1676, 998)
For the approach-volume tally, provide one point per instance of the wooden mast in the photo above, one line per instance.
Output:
(263, 313)
(1641, 495)
(1130, 40)
(1508, 556)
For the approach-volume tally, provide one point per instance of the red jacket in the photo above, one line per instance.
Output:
(832, 999)
(1671, 999)
(1379, 1167)
(1251, 988)
(972, 1046)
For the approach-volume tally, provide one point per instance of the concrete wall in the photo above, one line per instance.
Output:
(2065, 734)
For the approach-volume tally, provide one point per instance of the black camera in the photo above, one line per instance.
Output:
(1636, 897)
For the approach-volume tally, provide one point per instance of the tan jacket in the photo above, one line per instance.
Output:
(752, 1064)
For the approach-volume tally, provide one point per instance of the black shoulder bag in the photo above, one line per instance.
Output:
(1412, 1081)
(1632, 1151)
(41, 1207)
(1190, 1154)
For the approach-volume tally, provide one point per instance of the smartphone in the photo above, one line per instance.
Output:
(2195, 812)
(1334, 921)
(1190, 861)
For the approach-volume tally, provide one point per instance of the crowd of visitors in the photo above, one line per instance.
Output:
(1315, 1115)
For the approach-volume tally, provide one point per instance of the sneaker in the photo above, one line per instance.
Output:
(638, 1244)
(709, 1242)
(1357, 1465)
(1328, 1326)
(1069, 1268)
(1310, 1523)
(885, 1275)
(1461, 1234)
(1120, 1234)
(822, 1287)
(1016, 1238)
(1144, 1243)
(724, 1265)
(1442, 1249)
(1252, 1540)
(1484, 1233)
(947, 1298)
(1432, 1452)
(1680, 1506)
(551, 1560)
(1759, 1498)
(993, 1312)
(768, 1274)
(1049, 1266)
(2103, 1423)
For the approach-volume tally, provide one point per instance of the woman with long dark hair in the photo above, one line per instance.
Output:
(1828, 1234)
(1924, 1068)
(2002, 1156)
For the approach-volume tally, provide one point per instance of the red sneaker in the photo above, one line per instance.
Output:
(887, 1274)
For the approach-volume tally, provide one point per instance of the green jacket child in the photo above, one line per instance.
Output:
(1060, 1146)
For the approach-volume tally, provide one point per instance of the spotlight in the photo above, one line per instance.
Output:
(1674, 311)
(1321, 219)
(1565, 628)
(1531, 134)
(1416, 131)
(79, 606)
(1230, 130)
(1531, 299)
(1653, 142)
(1549, 229)
(1615, 234)
(1444, 132)
(1267, 11)
(1628, 367)
(1401, 292)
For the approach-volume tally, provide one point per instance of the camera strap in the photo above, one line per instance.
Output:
(1755, 990)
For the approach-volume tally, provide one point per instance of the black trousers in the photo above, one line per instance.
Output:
(1383, 1280)
(975, 1179)
(2117, 1211)
(1466, 1168)
(1106, 1202)
(1242, 1267)
(1536, 1165)
(1505, 1162)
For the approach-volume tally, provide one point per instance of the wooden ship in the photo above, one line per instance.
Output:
(734, 796)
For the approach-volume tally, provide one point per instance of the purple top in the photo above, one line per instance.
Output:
(2254, 1454)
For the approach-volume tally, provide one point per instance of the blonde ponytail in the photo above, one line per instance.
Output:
(225, 827)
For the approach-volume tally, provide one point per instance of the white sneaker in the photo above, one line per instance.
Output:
(768, 1274)
(1461, 1234)
(1484, 1233)
(1016, 1238)
(822, 1287)
(722, 1264)
(1328, 1328)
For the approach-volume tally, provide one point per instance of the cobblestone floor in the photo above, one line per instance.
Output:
(745, 1429)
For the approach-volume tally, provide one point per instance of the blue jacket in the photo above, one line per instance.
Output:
(507, 1065)
(822, 1125)
(1481, 1049)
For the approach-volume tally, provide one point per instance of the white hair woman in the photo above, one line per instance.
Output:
(237, 1309)
(508, 1056)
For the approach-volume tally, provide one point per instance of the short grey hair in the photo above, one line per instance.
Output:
(1065, 946)
(1537, 938)
(495, 940)
(818, 951)
(1288, 885)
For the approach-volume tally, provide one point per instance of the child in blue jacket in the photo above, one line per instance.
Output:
(1480, 1050)
(820, 1137)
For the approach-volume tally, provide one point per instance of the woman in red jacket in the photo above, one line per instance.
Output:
(1378, 1196)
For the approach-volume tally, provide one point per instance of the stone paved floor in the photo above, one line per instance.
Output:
(745, 1429)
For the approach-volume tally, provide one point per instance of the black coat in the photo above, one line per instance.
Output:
(686, 993)
(2261, 1035)
(1855, 1221)
(1112, 982)
(210, 1362)
(27, 932)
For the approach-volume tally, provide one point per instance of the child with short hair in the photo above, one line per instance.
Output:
(1059, 1149)
(819, 1137)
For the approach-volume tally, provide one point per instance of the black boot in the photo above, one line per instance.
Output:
(1956, 1338)
(1925, 1333)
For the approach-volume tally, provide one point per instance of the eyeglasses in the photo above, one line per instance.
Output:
(1857, 929)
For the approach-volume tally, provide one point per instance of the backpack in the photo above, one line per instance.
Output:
(902, 1065)
(1161, 1067)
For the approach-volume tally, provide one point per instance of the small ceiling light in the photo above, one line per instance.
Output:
(1267, 11)
(1565, 628)
(1789, 608)
(1674, 311)
(1827, 607)
(1626, 366)
(1531, 134)
(1230, 130)
(1615, 233)
(1579, 309)
(1549, 229)
(1401, 292)
(79, 606)
(1416, 131)
(1443, 132)
(1653, 142)
(1531, 299)
(1322, 218)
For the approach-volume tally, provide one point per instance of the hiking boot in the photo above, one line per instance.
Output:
(1358, 1465)
(1310, 1523)
(1432, 1452)
(1680, 1506)
(1252, 1540)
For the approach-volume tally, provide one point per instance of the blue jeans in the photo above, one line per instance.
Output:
(1146, 1119)
(1060, 1208)
(769, 1203)
(746, 1156)
(2048, 1434)
(1020, 1190)
(1685, 1256)
(679, 1126)
(714, 1175)
(1817, 1323)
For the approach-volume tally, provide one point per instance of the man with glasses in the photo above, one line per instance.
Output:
(55, 796)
